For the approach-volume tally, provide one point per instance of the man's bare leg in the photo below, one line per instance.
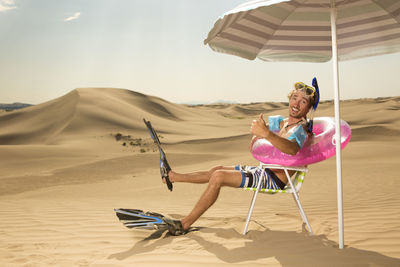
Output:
(200, 177)
(218, 179)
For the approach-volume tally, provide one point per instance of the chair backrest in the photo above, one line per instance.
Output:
(297, 180)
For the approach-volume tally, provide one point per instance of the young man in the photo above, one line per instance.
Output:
(292, 134)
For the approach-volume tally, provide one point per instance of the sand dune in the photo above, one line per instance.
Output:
(38, 124)
(63, 171)
(88, 111)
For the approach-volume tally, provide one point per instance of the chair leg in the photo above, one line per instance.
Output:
(253, 202)
(297, 200)
(302, 213)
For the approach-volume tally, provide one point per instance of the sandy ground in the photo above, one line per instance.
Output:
(63, 172)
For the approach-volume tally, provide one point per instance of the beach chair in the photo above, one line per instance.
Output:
(293, 187)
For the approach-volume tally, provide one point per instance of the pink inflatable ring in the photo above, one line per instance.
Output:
(318, 148)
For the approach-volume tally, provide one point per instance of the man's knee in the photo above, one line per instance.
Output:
(216, 168)
(217, 178)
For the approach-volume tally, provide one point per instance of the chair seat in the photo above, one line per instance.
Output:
(269, 191)
(297, 182)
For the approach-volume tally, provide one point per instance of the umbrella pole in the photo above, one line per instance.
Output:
(337, 124)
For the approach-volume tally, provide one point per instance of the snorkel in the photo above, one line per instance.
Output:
(310, 123)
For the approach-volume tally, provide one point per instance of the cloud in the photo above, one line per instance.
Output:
(7, 5)
(75, 16)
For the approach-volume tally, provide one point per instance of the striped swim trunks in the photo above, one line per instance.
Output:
(251, 176)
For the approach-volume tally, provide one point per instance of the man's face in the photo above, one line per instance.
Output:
(299, 105)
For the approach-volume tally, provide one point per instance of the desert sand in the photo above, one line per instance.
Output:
(63, 171)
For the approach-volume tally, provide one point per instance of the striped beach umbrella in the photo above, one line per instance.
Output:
(310, 31)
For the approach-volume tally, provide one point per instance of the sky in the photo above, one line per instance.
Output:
(155, 47)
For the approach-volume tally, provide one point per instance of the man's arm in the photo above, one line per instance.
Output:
(253, 140)
(259, 129)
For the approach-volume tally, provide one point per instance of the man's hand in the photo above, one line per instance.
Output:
(259, 128)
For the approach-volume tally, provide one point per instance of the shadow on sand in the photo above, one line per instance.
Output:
(153, 241)
(289, 248)
(292, 249)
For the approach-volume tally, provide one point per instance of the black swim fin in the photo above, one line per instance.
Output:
(134, 218)
(164, 166)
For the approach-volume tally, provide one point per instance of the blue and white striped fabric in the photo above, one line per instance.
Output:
(251, 176)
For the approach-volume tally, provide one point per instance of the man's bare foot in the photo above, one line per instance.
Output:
(170, 176)
(175, 227)
(185, 224)
(165, 169)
